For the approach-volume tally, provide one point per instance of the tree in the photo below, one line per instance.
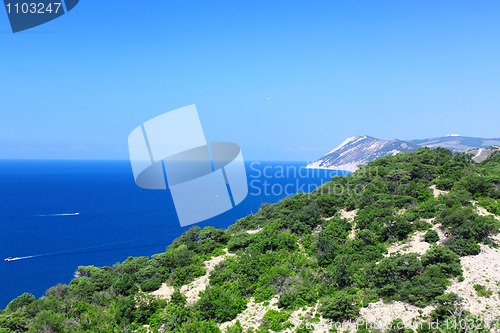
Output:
(125, 285)
(20, 302)
(431, 236)
(49, 321)
(339, 307)
(444, 258)
(220, 304)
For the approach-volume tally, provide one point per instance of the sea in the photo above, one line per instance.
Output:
(58, 215)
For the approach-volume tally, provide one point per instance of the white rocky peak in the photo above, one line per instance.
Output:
(361, 149)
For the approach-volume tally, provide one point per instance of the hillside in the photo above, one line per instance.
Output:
(407, 240)
(455, 142)
(359, 150)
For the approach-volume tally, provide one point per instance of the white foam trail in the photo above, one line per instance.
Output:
(27, 257)
(61, 214)
(21, 258)
(103, 247)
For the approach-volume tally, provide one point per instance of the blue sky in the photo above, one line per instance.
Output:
(77, 86)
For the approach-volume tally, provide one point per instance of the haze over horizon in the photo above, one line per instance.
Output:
(286, 81)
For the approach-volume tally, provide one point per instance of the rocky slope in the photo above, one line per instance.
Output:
(359, 150)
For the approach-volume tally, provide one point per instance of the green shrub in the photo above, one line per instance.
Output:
(444, 258)
(446, 304)
(422, 289)
(199, 326)
(50, 321)
(151, 284)
(392, 272)
(20, 302)
(236, 328)
(185, 275)
(239, 241)
(482, 291)
(431, 236)
(490, 204)
(462, 246)
(220, 303)
(124, 285)
(275, 320)
(339, 307)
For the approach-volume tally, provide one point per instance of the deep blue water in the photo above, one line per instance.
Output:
(116, 218)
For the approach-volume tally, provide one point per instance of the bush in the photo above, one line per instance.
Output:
(462, 246)
(342, 271)
(331, 239)
(275, 320)
(446, 304)
(422, 289)
(151, 284)
(239, 241)
(20, 302)
(124, 285)
(444, 258)
(482, 291)
(220, 303)
(49, 321)
(339, 307)
(491, 205)
(199, 326)
(392, 272)
(236, 328)
(299, 292)
(431, 236)
(124, 310)
(184, 275)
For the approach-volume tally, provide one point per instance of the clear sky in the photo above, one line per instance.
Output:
(286, 80)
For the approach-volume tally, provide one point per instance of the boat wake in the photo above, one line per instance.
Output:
(20, 258)
(121, 245)
(61, 214)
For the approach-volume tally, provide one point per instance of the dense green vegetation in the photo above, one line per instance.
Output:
(305, 254)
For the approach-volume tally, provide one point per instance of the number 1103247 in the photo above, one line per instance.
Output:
(33, 8)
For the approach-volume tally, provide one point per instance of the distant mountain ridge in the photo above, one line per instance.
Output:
(359, 150)
(456, 142)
